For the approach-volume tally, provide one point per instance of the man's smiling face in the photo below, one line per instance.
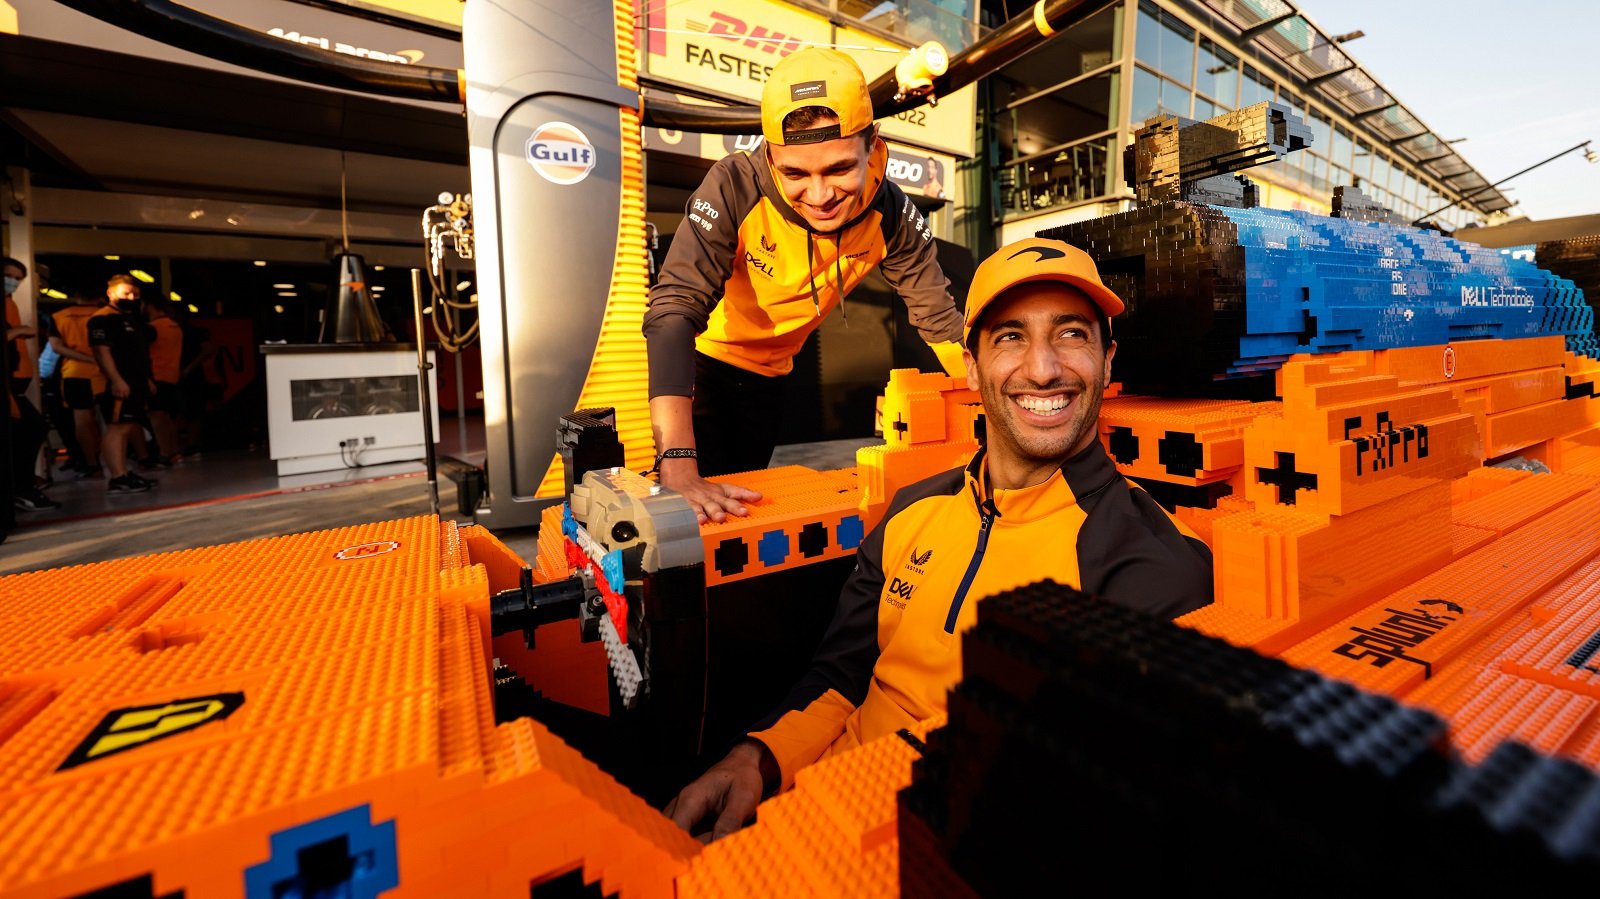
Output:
(1041, 364)
(822, 180)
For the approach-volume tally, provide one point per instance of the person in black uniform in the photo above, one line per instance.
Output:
(26, 427)
(120, 337)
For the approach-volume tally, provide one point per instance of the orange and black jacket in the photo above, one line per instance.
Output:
(72, 326)
(893, 649)
(746, 280)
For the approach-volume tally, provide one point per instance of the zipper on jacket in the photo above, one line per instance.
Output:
(987, 513)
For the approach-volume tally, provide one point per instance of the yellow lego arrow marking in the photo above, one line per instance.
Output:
(129, 728)
(153, 724)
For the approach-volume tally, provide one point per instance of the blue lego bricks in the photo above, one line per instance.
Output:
(773, 548)
(849, 532)
(1218, 298)
(1315, 284)
(611, 567)
(343, 855)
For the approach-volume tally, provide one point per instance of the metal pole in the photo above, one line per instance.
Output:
(461, 408)
(1480, 190)
(427, 398)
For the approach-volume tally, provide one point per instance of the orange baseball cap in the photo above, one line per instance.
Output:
(815, 76)
(1036, 259)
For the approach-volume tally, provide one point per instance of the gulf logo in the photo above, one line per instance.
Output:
(560, 153)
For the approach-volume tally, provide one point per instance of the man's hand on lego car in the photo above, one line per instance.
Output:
(727, 795)
(710, 501)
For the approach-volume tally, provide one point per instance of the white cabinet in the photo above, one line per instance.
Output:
(333, 406)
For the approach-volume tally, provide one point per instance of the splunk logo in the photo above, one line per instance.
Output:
(1394, 637)
(560, 153)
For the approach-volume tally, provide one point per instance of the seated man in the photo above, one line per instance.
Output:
(1041, 500)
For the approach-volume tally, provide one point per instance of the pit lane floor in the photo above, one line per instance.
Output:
(223, 499)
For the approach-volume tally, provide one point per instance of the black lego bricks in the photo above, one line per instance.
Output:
(1093, 746)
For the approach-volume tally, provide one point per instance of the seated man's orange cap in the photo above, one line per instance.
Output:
(1036, 259)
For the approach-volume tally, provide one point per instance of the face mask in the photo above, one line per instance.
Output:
(127, 305)
(11, 285)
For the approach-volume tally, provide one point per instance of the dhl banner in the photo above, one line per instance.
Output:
(730, 47)
(921, 172)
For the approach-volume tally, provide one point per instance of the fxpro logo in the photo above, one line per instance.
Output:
(560, 153)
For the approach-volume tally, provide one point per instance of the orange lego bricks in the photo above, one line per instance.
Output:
(244, 708)
(804, 516)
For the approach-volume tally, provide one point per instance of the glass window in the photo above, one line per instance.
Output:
(1284, 171)
(1175, 98)
(1340, 152)
(348, 397)
(1154, 96)
(1067, 176)
(1254, 88)
(1338, 176)
(1217, 74)
(1147, 37)
(949, 22)
(1205, 109)
(1146, 97)
(1075, 52)
(1407, 188)
(1361, 163)
(1321, 132)
(1316, 169)
(1059, 117)
(1381, 171)
(1165, 44)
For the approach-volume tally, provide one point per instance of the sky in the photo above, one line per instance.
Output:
(1520, 81)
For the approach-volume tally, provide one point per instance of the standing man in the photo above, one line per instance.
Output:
(166, 354)
(772, 241)
(51, 403)
(81, 378)
(121, 340)
(28, 428)
(1041, 500)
